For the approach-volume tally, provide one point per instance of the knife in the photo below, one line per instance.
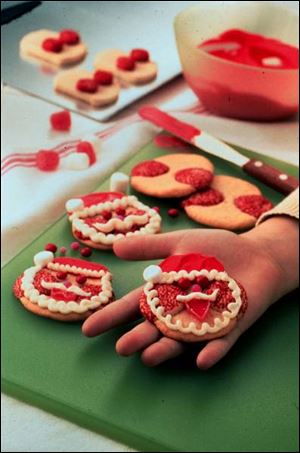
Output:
(269, 175)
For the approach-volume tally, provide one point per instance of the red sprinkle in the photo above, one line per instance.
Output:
(52, 45)
(140, 55)
(61, 121)
(93, 289)
(86, 251)
(69, 37)
(51, 247)
(208, 197)
(81, 279)
(87, 85)
(87, 148)
(196, 177)
(149, 168)
(75, 245)
(125, 63)
(173, 212)
(63, 250)
(61, 275)
(47, 160)
(103, 77)
(254, 205)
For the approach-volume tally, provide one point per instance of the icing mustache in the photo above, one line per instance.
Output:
(197, 295)
(72, 289)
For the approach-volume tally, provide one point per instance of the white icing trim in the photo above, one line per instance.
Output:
(76, 270)
(197, 295)
(72, 289)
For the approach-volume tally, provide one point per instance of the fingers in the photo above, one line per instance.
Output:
(124, 310)
(162, 350)
(138, 338)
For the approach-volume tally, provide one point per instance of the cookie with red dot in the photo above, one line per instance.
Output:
(172, 175)
(230, 203)
(192, 298)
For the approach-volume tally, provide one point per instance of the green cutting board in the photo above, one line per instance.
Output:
(248, 402)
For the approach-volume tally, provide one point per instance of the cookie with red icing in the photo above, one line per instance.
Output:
(229, 203)
(100, 219)
(192, 298)
(172, 175)
(58, 48)
(64, 288)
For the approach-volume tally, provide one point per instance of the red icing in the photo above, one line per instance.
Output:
(79, 263)
(93, 289)
(103, 77)
(18, 292)
(51, 247)
(61, 294)
(43, 274)
(97, 219)
(208, 197)
(87, 148)
(224, 296)
(47, 160)
(125, 63)
(196, 177)
(168, 141)
(167, 295)
(69, 37)
(100, 197)
(254, 205)
(139, 55)
(198, 308)
(61, 121)
(189, 262)
(52, 45)
(149, 168)
(87, 85)
(173, 212)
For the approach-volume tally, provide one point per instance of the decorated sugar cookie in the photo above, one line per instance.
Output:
(192, 298)
(58, 48)
(99, 219)
(63, 288)
(172, 175)
(229, 202)
(132, 68)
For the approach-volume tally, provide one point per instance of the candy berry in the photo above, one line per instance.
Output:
(173, 212)
(254, 205)
(139, 55)
(47, 160)
(61, 275)
(202, 281)
(103, 77)
(149, 168)
(81, 279)
(86, 251)
(87, 85)
(52, 45)
(63, 250)
(156, 208)
(61, 121)
(208, 197)
(120, 211)
(51, 247)
(106, 214)
(196, 177)
(125, 63)
(69, 37)
(184, 283)
(75, 245)
(195, 288)
(87, 148)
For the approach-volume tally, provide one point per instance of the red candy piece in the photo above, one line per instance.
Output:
(140, 55)
(81, 279)
(75, 246)
(198, 308)
(202, 281)
(195, 288)
(52, 45)
(87, 85)
(103, 77)
(208, 197)
(69, 37)
(149, 168)
(61, 121)
(106, 214)
(184, 283)
(63, 250)
(120, 211)
(47, 160)
(51, 247)
(173, 212)
(125, 63)
(86, 251)
(254, 205)
(196, 177)
(156, 208)
(87, 148)
(61, 275)
(61, 294)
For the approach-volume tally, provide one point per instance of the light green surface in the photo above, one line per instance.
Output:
(249, 402)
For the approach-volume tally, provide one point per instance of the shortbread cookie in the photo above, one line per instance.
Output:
(58, 48)
(192, 298)
(64, 288)
(100, 219)
(229, 203)
(134, 68)
(81, 84)
(172, 175)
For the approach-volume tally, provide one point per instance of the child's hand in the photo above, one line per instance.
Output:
(258, 259)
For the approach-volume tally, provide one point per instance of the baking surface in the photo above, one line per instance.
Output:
(247, 402)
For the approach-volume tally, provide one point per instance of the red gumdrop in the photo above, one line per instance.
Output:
(120, 211)
(81, 279)
(103, 77)
(125, 63)
(51, 247)
(87, 85)
(52, 45)
(149, 168)
(106, 214)
(173, 212)
(254, 205)
(75, 245)
(61, 275)
(69, 37)
(87, 148)
(61, 121)
(198, 308)
(196, 177)
(86, 251)
(140, 55)
(63, 250)
(47, 160)
(207, 197)
(202, 281)
(184, 283)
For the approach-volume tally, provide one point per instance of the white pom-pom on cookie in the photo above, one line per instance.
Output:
(43, 258)
(152, 274)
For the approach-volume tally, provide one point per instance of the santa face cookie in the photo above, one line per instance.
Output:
(229, 203)
(100, 219)
(134, 68)
(192, 298)
(65, 289)
(172, 175)
(88, 87)
(59, 49)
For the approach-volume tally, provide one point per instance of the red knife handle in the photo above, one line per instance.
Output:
(272, 177)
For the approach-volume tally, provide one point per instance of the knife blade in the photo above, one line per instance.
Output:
(267, 174)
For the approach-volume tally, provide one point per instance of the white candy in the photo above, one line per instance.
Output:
(74, 204)
(76, 161)
(152, 274)
(119, 182)
(272, 61)
(43, 258)
(94, 141)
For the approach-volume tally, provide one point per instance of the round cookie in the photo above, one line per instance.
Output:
(192, 298)
(172, 175)
(66, 289)
(100, 219)
(229, 203)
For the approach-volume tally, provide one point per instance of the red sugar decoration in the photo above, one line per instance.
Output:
(47, 160)
(61, 121)
(196, 177)
(87, 85)
(69, 37)
(103, 77)
(254, 205)
(208, 197)
(52, 45)
(149, 168)
(125, 63)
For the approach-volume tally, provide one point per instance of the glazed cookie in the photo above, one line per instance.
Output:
(58, 48)
(172, 175)
(99, 219)
(229, 203)
(63, 288)
(134, 68)
(192, 298)
(88, 86)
